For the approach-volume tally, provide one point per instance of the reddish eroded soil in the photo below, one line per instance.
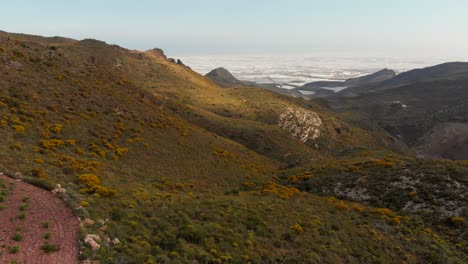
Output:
(42, 207)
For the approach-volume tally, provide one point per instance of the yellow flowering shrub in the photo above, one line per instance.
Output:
(280, 190)
(93, 184)
(52, 143)
(19, 128)
(298, 228)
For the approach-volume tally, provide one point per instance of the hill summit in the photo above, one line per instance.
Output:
(224, 78)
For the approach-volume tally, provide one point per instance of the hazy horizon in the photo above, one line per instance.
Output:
(288, 71)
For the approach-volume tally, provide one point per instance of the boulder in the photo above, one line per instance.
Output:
(90, 239)
(58, 189)
(115, 241)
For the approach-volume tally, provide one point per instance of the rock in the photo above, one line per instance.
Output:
(115, 241)
(88, 221)
(103, 228)
(15, 65)
(94, 236)
(58, 189)
(48, 54)
(171, 60)
(90, 239)
(340, 128)
(156, 53)
(302, 124)
(18, 174)
(102, 221)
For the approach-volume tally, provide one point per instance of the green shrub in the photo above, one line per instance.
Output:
(17, 237)
(190, 233)
(13, 249)
(49, 248)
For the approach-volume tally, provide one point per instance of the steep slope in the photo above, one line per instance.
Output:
(167, 167)
(411, 111)
(444, 140)
(434, 191)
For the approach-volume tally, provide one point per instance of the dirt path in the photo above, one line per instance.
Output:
(42, 207)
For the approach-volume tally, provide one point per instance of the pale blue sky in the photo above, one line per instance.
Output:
(388, 27)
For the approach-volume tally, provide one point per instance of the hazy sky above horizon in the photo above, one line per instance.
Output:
(418, 28)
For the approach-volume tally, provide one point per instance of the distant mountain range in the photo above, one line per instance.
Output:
(445, 71)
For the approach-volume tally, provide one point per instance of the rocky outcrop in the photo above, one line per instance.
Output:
(302, 124)
(156, 53)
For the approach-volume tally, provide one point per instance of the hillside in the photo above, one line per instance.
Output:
(416, 113)
(371, 79)
(332, 89)
(164, 166)
(446, 71)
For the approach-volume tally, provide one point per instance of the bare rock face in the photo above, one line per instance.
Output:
(302, 124)
(445, 140)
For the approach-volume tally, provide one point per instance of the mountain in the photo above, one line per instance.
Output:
(370, 79)
(429, 115)
(426, 108)
(367, 80)
(164, 166)
(445, 71)
(224, 78)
